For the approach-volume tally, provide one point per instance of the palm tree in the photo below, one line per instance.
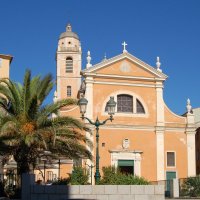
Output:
(26, 125)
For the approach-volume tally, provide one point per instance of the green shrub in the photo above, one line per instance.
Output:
(64, 181)
(191, 187)
(79, 176)
(113, 176)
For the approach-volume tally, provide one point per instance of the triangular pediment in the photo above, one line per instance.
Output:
(125, 65)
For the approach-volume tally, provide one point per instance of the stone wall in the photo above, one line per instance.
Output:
(99, 192)
(32, 191)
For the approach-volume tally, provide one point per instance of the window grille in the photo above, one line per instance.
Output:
(69, 91)
(139, 106)
(124, 103)
(170, 159)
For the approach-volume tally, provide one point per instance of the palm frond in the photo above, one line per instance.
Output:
(44, 88)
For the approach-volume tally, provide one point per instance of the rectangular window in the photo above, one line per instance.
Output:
(49, 175)
(69, 91)
(170, 159)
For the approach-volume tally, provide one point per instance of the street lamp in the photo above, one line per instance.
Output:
(44, 167)
(44, 158)
(111, 111)
(90, 167)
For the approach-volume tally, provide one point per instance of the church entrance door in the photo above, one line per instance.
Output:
(126, 166)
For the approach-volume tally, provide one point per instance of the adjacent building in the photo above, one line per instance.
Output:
(196, 112)
(5, 61)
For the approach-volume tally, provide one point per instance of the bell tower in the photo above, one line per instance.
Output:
(68, 62)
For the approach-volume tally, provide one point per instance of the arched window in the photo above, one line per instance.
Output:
(139, 107)
(69, 91)
(69, 64)
(124, 103)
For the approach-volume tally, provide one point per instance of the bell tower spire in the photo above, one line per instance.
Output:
(68, 61)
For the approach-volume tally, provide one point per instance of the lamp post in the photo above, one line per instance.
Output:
(91, 167)
(111, 111)
(44, 167)
(45, 158)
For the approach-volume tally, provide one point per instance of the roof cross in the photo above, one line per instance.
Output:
(124, 44)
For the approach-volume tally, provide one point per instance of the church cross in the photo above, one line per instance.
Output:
(124, 44)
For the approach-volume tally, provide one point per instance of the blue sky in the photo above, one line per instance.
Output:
(29, 31)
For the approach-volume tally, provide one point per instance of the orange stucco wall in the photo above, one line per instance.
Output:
(173, 118)
(113, 141)
(177, 142)
(102, 92)
(115, 68)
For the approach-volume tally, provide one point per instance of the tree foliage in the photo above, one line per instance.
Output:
(26, 125)
(79, 176)
(191, 187)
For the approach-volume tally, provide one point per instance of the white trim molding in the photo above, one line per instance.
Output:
(89, 97)
(191, 151)
(160, 104)
(127, 155)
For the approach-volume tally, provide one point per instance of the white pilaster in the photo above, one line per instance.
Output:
(160, 131)
(160, 154)
(137, 164)
(159, 104)
(89, 114)
(89, 97)
(191, 150)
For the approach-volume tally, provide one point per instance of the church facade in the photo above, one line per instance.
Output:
(145, 138)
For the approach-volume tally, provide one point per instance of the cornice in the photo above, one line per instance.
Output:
(121, 77)
(125, 151)
(125, 84)
(143, 128)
